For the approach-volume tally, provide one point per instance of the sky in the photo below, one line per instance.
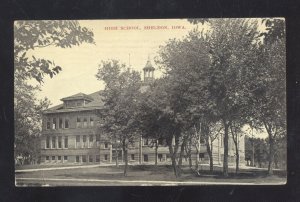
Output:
(132, 37)
(80, 63)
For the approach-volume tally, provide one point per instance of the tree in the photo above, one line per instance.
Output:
(185, 63)
(269, 90)
(159, 117)
(29, 36)
(232, 45)
(120, 97)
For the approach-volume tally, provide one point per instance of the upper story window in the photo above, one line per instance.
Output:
(91, 122)
(85, 122)
(48, 142)
(54, 142)
(60, 123)
(66, 123)
(48, 124)
(54, 126)
(59, 141)
(78, 123)
(97, 137)
(66, 142)
(146, 141)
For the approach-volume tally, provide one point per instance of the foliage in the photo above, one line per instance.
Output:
(270, 86)
(28, 36)
(121, 94)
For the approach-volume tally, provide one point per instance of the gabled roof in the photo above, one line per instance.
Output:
(94, 98)
(77, 97)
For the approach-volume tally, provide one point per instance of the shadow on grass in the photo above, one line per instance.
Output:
(249, 174)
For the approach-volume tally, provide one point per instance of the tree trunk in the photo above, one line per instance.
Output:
(117, 157)
(237, 159)
(209, 151)
(156, 148)
(181, 153)
(271, 155)
(188, 151)
(271, 148)
(237, 155)
(225, 161)
(125, 158)
(173, 155)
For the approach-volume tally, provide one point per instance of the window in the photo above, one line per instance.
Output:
(48, 142)
(90, 159)
(145, 157)
(146, 142)
(91, 122)
(84, 140)
(77, 140)
(97, 158)
(202, 140)
(77, 159)
(54, 123)
(201, 155)
(91, 140)
(59, 158)
(59, 142)
(60, 123)
(53, 158)
(47, 158)
(53, 142)
(160, 157)
(65, 158)
(48, 124)
(66, 142)
(105, 145)
(78, 123)
(66, 123)
(105, 157)
(84, 159)
(132, 157)
(85, 122)
(160, 142)
(97, 140)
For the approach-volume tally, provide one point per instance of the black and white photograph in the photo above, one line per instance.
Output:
(150, 102)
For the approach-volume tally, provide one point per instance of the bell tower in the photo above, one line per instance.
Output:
(148, 72)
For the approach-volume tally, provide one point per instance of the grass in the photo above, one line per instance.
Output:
(152, 173)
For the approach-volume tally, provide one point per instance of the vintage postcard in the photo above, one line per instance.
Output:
(156, 102)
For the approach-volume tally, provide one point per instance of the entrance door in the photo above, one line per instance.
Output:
(145, 157)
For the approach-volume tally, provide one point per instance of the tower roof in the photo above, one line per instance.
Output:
(148, 65)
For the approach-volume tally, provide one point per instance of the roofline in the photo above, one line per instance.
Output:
(71, 110)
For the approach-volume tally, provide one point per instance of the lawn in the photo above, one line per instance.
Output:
(142, 174)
